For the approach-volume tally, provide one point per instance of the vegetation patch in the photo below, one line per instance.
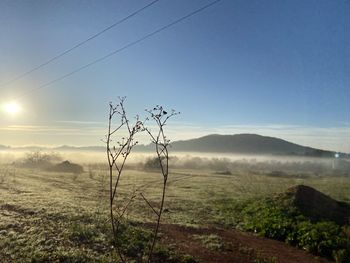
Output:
(66, 167)
(133, 240)
(280, 218)
(38, 160)
(50, 217)
(83, 233)
(168, 254)
(51, 162)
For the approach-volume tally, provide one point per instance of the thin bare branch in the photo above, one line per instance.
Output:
(149, 204)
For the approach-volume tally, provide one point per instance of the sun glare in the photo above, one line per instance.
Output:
(11, 108)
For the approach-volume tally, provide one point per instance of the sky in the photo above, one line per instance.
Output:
(275, 68)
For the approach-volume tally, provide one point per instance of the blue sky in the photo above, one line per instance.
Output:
(279, 68)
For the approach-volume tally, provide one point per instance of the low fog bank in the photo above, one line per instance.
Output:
(219, 163)
(81, 157)
(268, 165)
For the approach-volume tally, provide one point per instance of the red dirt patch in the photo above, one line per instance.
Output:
(243, 247)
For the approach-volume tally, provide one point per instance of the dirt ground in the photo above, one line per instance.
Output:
(239, 247)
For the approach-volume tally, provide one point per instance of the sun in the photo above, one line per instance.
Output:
(11, 108)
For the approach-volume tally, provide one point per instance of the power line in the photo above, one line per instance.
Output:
(122, 48)
(78, 45)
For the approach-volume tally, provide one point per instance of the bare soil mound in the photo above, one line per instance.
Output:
(318, 206)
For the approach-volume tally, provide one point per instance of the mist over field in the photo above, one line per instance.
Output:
(70, 191)
(220, 162)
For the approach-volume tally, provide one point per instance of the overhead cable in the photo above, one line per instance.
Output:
(77, 45)
(133, 43)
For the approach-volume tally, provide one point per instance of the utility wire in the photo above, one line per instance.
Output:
(122, 48)
(78, 45)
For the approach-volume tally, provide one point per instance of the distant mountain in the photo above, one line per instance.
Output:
(247, 144)
(251, 144)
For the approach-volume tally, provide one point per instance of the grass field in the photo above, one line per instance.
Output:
(63, 217)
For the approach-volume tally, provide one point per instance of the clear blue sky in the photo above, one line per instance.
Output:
(279, 68)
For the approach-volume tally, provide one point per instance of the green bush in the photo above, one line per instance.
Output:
(270, 219)
(267, 220)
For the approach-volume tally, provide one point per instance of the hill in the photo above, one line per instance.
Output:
(248, 144)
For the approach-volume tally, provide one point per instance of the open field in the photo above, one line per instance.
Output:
(63, 217)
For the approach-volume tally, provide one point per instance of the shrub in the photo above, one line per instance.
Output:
(152, 164)
(270, 219)
(66, 167)
(323, 238)
(39, 160)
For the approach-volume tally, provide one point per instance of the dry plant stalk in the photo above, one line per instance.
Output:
(117, 156)
(160, 117)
